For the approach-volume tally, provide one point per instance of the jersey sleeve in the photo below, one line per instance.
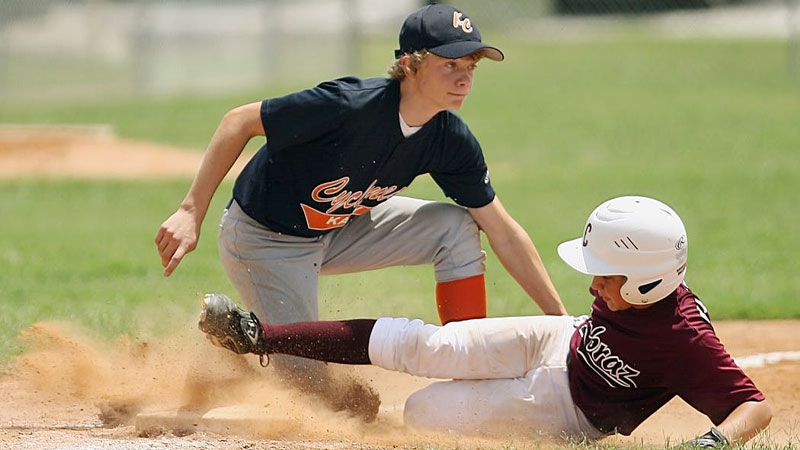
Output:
(712, 382)
(302, 116)
(461, 171)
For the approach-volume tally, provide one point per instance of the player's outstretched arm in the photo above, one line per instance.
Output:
(516, 252)
(178, 234)
(745, 421)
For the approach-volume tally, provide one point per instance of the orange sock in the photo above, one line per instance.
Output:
(461, 299)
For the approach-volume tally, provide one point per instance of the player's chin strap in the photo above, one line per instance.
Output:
(713, 439)
(262, 358)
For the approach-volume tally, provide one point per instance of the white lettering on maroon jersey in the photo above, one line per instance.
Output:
(597, 355)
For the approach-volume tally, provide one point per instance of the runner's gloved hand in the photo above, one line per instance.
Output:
(712, 439)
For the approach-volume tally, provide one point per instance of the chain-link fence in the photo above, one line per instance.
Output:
(75, 48)
(62, 49)
(502, 10)
(793, 27)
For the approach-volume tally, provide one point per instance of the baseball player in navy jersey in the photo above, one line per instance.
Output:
(321, 196)
(648, 339)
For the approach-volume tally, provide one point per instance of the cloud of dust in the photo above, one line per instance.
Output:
(183, 370)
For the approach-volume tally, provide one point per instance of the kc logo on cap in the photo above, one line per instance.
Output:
(465, 24)
(443, 31)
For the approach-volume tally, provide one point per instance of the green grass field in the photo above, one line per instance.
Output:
(710, 127)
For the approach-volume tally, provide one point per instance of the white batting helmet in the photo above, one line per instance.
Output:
(638, 237)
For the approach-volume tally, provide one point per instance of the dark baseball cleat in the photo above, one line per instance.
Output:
(228, 326)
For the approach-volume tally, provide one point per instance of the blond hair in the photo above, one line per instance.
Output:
(396, 71)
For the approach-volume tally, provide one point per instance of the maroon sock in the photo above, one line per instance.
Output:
(344, 342)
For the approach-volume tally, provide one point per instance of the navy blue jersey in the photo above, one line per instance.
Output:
(625, 365)
(336, 150)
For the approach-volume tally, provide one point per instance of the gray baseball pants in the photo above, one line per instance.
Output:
(277, 274)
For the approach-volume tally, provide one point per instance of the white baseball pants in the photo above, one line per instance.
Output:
(510, 374)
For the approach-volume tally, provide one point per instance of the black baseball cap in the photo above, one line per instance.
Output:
(443, 31)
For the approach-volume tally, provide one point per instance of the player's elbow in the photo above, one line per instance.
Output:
(244, 120)
(758, 417)
(765, 414)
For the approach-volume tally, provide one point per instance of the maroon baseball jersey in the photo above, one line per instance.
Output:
(625, 365)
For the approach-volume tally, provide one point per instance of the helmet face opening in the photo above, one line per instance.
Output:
(638, 237)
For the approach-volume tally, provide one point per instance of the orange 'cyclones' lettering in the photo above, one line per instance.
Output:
(334, 192)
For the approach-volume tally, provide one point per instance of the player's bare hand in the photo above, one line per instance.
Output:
(177, 236)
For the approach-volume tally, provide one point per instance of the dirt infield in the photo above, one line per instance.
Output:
(89, 152)
(71, 392)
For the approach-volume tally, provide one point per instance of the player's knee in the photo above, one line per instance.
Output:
(417, 411)
(453, 222)
(466, 229)
(458, 222)
(459, 254)
(424, 409)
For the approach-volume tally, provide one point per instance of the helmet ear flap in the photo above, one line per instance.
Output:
(647, 287)
(635, 293)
